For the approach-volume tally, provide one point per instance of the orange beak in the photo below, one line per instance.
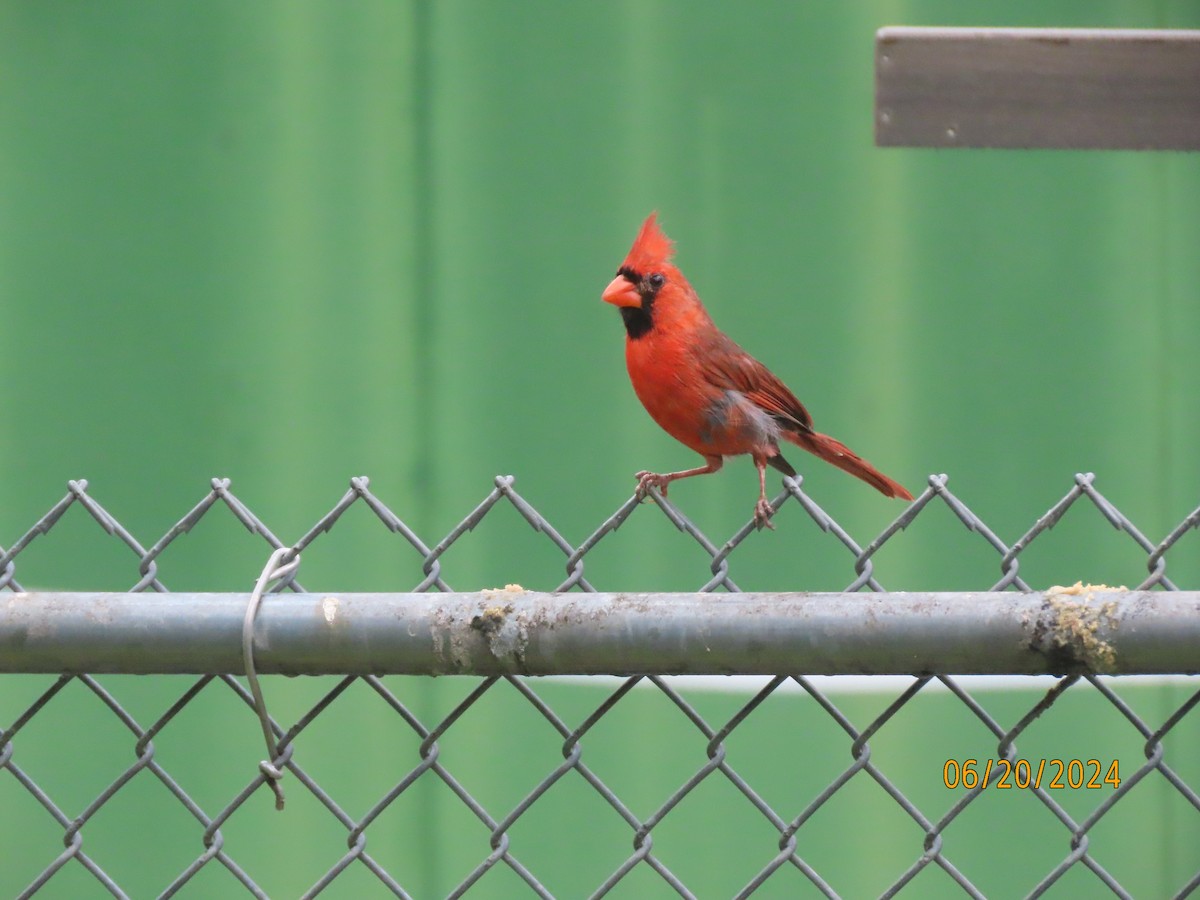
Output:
(621, 292)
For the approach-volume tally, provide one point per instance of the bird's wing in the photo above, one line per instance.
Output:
(729, 367)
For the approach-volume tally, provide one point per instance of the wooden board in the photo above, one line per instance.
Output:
(1034, 87)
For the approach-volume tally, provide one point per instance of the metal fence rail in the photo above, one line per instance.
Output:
(521, 632)
(494, 635)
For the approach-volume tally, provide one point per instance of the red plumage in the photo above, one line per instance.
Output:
(702, 388)
(651, 248)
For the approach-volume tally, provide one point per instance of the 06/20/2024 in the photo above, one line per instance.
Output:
(1055, 774)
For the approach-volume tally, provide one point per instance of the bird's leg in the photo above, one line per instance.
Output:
(762, 509)
(647, 480)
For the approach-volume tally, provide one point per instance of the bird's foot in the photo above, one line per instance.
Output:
(647, 480)
(762, 514)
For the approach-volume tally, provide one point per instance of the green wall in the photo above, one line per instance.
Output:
(290, 243)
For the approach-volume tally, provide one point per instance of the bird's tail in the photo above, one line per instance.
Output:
(834, 451)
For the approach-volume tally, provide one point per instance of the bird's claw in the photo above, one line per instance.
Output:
(647, 480)
(762, 515)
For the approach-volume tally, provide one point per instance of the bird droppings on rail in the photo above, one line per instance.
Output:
(507, 635)
(453, 632)
(1076, 627)
(491, 619)
(450, 646)
(329, 609)
(493, 593)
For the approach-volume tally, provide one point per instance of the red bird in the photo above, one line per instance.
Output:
(702, 388)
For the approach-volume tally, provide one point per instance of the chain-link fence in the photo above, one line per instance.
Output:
(648, 785)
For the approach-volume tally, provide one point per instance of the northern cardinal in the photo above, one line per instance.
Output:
(702, 388)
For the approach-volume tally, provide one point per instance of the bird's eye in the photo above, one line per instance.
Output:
(657, 280)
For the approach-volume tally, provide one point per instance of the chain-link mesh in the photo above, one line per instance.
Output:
(499, 841)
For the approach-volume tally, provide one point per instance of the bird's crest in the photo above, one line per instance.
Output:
(651, 248)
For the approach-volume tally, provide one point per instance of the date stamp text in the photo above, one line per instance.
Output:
(1053, 774)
